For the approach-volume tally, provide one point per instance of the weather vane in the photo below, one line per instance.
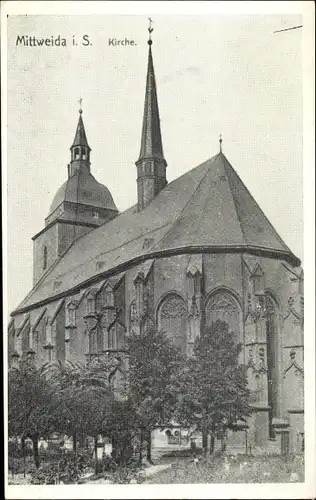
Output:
(80, 103)
(220, 142)
(150, 30)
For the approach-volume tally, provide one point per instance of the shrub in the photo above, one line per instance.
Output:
(52, 452)
(68, 470)
(14, 449)
(108, 464)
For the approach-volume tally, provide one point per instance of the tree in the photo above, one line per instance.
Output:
(85, 399)
(212, 385)
(153, 361)
(31, 401)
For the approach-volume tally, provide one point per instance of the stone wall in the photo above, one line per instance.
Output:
(183, 293)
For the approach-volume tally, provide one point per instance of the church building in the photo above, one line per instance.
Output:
(189, 252)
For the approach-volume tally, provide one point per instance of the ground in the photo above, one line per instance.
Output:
(216, 470)
(232, 469)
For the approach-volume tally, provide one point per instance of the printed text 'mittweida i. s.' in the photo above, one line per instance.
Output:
(59, 41)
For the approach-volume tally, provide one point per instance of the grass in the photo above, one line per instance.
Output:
(216, 470)
(240, 469)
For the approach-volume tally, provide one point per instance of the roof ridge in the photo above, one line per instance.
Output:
(259, 208)
(212, 160)
(234, 201)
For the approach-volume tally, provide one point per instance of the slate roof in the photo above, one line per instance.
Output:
(151, 143)
(206, 209)
(82, 187)
(80, 136)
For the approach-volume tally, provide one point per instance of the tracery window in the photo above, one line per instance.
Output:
(173, 320)
(223, 306)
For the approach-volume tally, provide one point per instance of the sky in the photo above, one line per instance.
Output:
(229, 75)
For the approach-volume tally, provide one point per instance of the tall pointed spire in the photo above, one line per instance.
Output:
(80, 137)
(151, 143)
(80, 149)
(151, 164)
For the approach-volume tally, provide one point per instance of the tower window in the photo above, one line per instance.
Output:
(45, 257)
(77, 154)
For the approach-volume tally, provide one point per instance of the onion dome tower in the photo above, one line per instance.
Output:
(80, 205)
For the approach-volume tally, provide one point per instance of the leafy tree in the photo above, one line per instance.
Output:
(85, 398)
(31, 401)
(153, 361)
(212, 385)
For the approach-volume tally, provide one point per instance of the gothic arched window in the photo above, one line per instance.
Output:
(223, 306)
(44, 257)
(173, 320)
(272, 358)
(77, 154)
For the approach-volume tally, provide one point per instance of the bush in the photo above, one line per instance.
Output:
(124, 475)
(14, 449)
(67, 470)
(108, 464)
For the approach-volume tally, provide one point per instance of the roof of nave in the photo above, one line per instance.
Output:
(206, 209)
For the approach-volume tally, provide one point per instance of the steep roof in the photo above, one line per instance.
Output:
(83, 188)
(151, 143)
(80, 137)
(207, 209)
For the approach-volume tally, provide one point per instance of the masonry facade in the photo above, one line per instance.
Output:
(189, 252)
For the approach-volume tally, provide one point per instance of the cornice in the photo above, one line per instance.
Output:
(264, 252)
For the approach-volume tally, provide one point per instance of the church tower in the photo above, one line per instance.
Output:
(80, 205)
(80, 149)
(151, 165)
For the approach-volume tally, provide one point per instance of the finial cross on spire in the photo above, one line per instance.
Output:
(220, 143)
(150, 30)
(80, 103)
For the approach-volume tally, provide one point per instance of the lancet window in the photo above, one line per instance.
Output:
(173, 319)
(221, 305)
(272, 358)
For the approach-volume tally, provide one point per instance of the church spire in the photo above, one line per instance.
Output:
(151, 165)
(80, 149)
